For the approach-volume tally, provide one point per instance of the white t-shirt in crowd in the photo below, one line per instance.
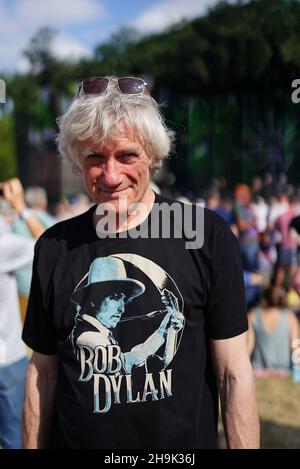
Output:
(260, 211)
(15, 252)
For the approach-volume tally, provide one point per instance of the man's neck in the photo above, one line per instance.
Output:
(126, 221)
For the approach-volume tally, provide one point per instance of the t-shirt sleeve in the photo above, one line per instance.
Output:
(226, 312)
(39, 331)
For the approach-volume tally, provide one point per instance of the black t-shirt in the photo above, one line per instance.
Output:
(131, 321)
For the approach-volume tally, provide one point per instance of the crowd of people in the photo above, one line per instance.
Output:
(265, 218)
(24, 217)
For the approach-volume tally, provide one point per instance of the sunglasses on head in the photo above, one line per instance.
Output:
(126, 85)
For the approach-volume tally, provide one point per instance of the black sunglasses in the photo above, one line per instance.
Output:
(126, 85)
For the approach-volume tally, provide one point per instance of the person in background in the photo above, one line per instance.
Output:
(15, 252)
(272, 331)
(212, 199)
(245, 221)
(287, 259)
(282, 182)
(294, 233)
(293, 294)
(268, 185)
(256, 186)
(226, 210)
(260, 211)
(222, 206)
(80, 203)
(223, 187)
(253, 282)
(267, 256)
(35, 202)
(12, 193)
(62, 209)
(278, 204)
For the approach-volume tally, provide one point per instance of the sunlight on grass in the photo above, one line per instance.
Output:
(279, 409)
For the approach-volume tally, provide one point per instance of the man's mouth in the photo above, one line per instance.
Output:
(112, 191)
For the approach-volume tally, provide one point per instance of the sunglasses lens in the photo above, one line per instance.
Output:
(95, 85)
(131, 85)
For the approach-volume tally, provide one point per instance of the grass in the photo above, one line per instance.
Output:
(279, 409)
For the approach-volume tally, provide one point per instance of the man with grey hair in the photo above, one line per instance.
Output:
(115, 136)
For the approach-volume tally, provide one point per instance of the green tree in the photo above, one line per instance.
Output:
(235, 46)
(7, 147)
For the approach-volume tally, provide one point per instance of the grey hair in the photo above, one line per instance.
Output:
(98, 118)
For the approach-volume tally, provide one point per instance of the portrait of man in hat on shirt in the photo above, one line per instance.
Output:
(101, 304)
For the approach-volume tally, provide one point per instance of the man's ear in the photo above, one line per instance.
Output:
(77, 170)
(155, 165)
(152, 166)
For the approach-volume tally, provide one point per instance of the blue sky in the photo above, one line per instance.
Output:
(81, 24)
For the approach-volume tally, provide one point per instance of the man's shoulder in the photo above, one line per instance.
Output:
(68, 229)
(209, 214)
(215, 220)
(199, 218)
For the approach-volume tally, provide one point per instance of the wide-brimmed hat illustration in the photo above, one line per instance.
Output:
(107, 275)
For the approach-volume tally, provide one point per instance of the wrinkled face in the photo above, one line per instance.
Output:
(116, 168)
(111, 309)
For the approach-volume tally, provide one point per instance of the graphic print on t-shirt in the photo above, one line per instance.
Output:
(127, 330)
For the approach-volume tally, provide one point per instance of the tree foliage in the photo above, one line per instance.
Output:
(7, 147)
(245, 45)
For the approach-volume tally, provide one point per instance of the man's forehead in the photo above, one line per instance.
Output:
(119, 142)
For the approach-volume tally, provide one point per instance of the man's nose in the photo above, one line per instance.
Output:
(111, 173)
